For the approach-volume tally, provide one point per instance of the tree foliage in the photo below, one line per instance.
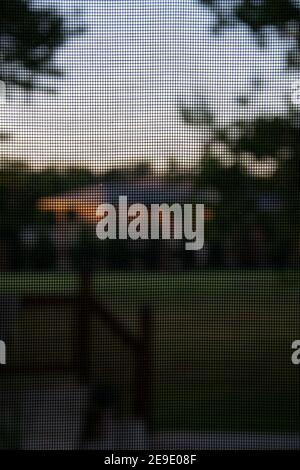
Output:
(257, 14)
(29, 37)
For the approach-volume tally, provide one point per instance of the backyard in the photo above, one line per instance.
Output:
(221, 344)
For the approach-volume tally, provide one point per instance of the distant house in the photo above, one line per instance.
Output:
(78, 208)
(83, 202)
(269, 202)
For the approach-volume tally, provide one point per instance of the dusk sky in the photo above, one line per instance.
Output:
(125, 77)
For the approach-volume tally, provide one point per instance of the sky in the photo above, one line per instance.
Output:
(125, 76)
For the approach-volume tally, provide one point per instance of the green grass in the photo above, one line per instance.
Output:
(153, 284)
(221, 343)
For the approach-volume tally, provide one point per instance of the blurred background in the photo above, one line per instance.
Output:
(141, 344)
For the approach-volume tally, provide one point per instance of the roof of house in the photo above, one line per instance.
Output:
(141, 191)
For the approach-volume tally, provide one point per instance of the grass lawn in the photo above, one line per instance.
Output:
(221, 343)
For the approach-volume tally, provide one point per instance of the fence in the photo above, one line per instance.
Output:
(86, 305)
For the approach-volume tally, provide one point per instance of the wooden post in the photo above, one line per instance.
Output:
(143, 369)
(84, 312)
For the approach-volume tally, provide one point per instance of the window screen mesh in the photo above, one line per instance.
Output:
(149, 224)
